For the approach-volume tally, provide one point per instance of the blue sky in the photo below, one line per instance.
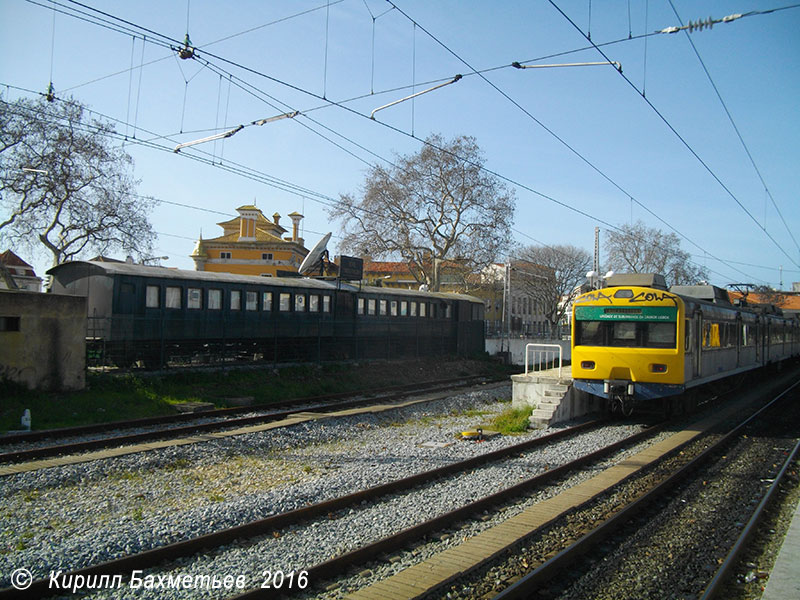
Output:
(580, 145)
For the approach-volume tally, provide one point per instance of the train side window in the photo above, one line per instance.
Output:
(214, 299)
(383, 307)
(236, 300)
(313, 303)
(361, 306)
(266, 301)
(687, 336)
(422, 306)
(194, 298)
(300, 303)
(393, 308)
(326, 304)
(403, 308)
(152, 296)
(285, 302)
(251, 301)
(371, 306)
(412, 309)
(448, 312)
(173, 297)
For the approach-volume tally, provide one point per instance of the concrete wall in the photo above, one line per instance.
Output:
(43, 340)
(518, 348)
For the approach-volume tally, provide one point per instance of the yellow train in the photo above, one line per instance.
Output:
(634, 341)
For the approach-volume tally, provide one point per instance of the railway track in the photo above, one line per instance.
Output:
(207, 421)
(283, 524)
(663, 535)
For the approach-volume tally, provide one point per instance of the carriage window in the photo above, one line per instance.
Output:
(371, 306)
(152, 296)
(412, 309)
(361, 306)
(403, 308)
(236, 300)
(251, 301)
(300, 303)
(448, 312)
(313, 303)
(173, 297)
(214, 299)
(285, 300)
(326, 304)
(383, 307)
(194, 298)
(393, 308)
(266, 301)
(422, 306)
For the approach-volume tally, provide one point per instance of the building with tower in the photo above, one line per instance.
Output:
(251, 244)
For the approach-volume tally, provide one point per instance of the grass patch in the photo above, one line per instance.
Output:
(512, 420)
(109, 397)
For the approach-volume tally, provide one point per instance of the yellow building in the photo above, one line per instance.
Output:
(251, 244)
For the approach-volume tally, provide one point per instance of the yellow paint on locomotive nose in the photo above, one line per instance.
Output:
(620, 373)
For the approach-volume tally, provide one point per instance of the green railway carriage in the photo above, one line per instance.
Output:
(156, 316)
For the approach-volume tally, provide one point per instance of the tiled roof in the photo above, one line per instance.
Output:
(789, 302)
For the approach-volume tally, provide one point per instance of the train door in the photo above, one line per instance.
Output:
(698, 344)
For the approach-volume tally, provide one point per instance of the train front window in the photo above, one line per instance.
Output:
(625, 334)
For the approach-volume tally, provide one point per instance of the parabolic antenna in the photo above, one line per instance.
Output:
(313, 260)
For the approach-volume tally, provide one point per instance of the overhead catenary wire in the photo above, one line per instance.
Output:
(402, 132)
(685, 143)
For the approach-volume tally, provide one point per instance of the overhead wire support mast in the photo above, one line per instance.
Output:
(436, 87)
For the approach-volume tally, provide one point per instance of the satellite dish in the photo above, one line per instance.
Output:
(313, 259)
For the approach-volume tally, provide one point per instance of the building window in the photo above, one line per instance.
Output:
(285, 300)
(214, 299)
(266, 301)
(266, 274)
(173, 297)
(251, 301)
(236, 300)
(266, 256)
(326, 304)
(224, 254)
(194, 298)
(152, 296)
(9, 323)
(313, 303)
(300, 303)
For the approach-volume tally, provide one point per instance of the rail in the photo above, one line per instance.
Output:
(544, 351)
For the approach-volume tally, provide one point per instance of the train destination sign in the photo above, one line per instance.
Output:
(624, 313)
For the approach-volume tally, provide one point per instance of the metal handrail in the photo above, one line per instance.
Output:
(543, 349)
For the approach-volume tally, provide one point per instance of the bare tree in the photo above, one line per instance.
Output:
(435, 206)
(552, 275)
(64, 187)
(640, 249)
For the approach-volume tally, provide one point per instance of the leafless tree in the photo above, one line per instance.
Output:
(640, 249)
(65, 188)
(552, 275)
(435, 206)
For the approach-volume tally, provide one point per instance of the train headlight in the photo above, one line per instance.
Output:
(658, 368)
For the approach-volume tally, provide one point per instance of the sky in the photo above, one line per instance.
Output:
(697, 135)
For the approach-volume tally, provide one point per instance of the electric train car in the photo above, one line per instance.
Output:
(155, 316)
(635, 342)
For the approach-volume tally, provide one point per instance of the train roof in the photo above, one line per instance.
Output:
(709, 293)
(89, 267)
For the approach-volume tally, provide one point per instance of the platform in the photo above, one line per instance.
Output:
(784, 581)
